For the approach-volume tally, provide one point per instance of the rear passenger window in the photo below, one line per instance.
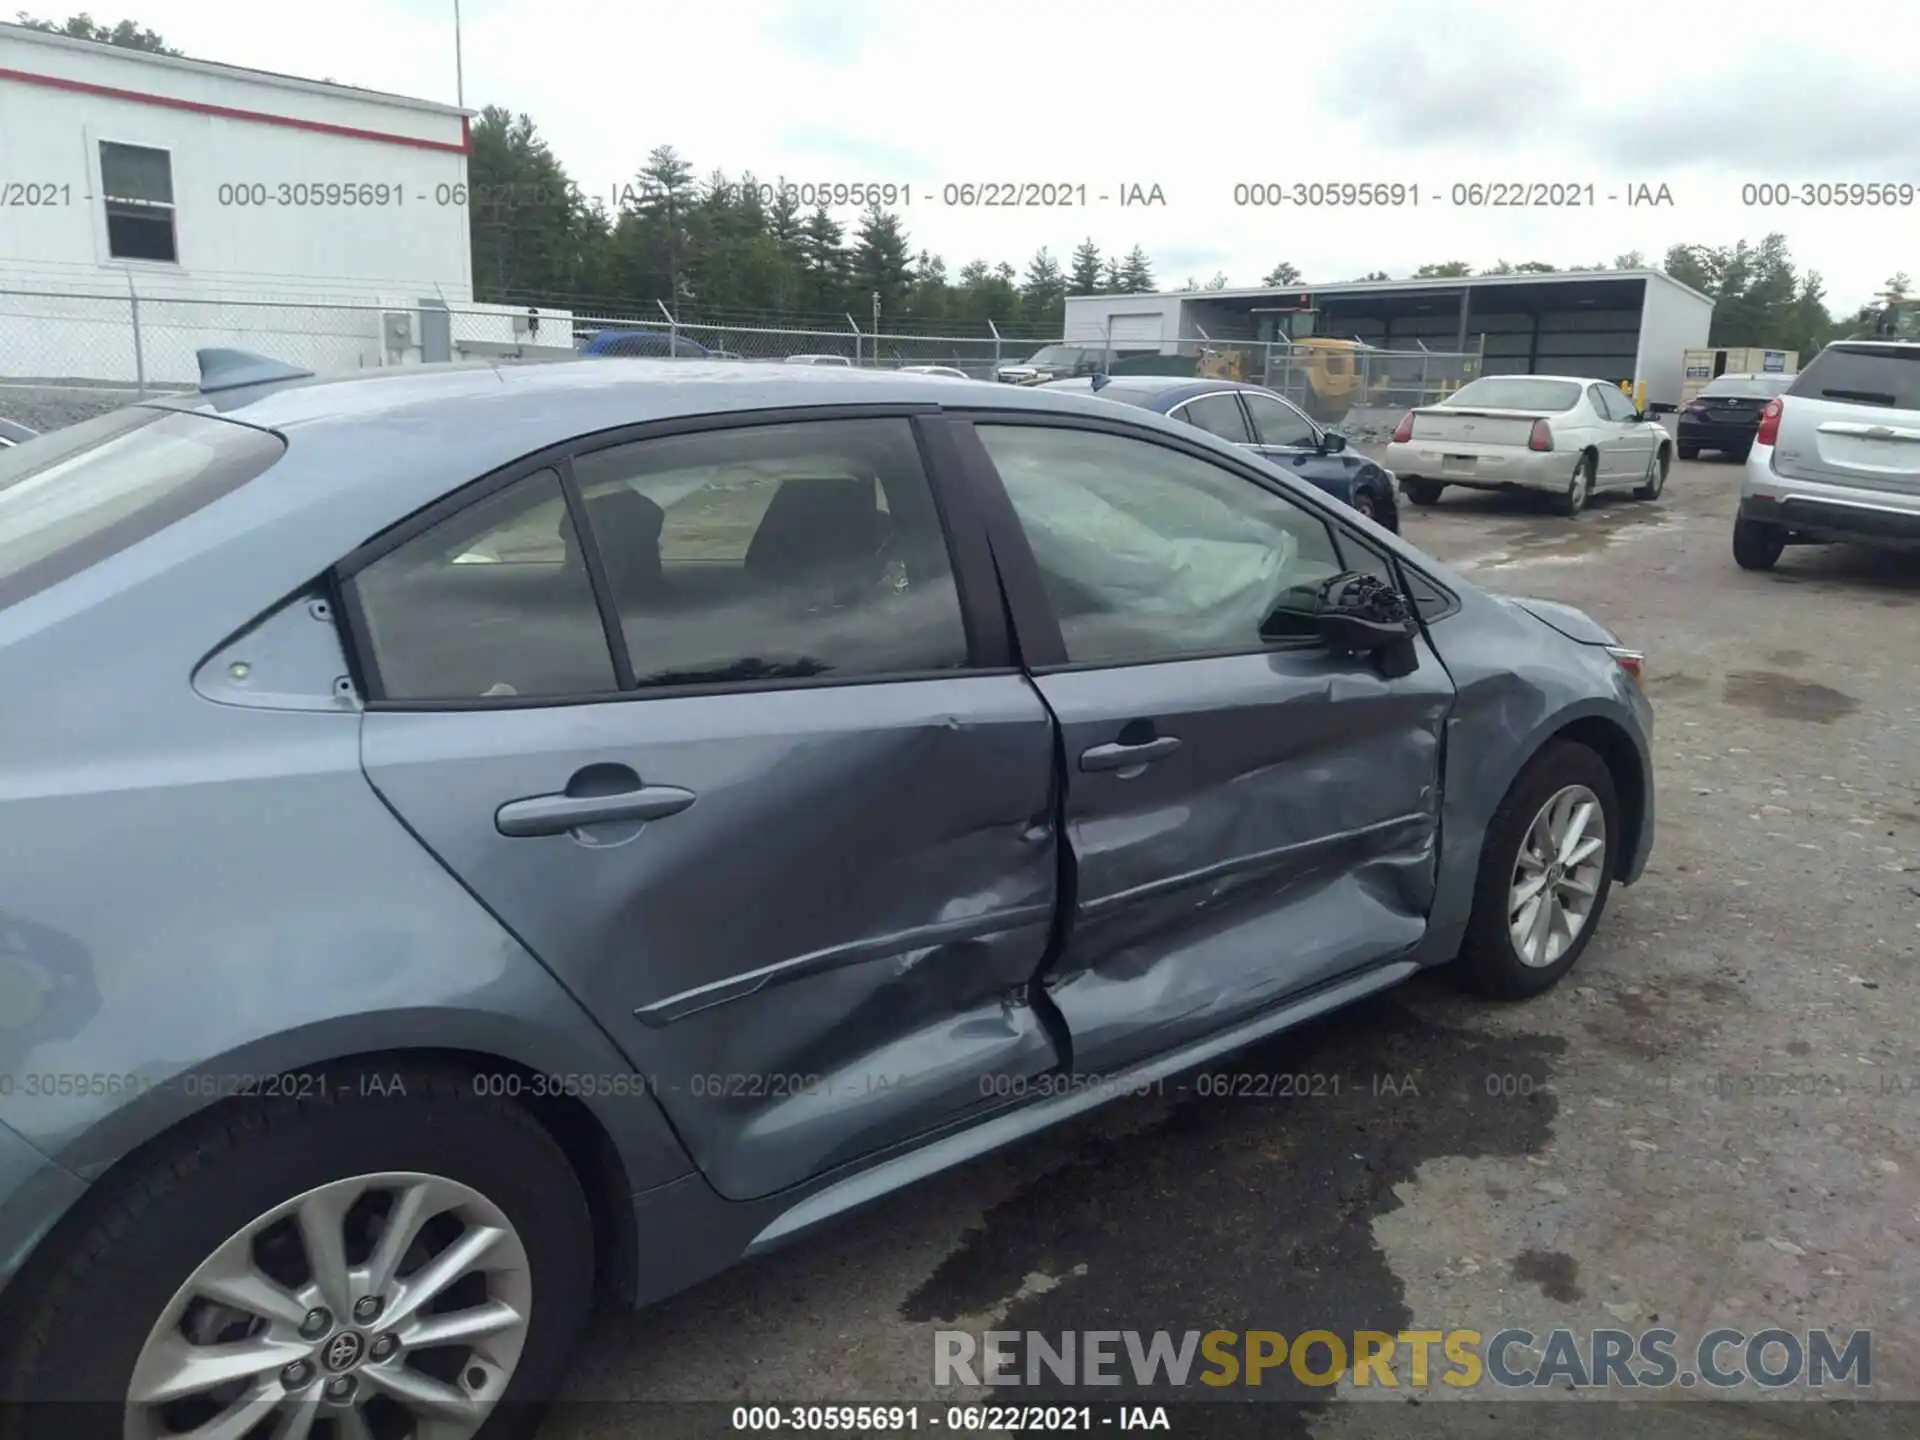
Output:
(1218, 415)
(774, 552)
(493, 602)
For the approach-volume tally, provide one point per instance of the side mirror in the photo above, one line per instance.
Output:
(1362, 614)
(1332, 443)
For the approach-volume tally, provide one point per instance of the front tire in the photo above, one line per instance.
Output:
(1689, 452)
(422, 1246)
(1546, 869)
(1757, 545)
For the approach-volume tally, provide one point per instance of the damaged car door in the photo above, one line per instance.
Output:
(707, 720)
(1249, 815)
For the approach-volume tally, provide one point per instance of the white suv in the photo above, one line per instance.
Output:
(1837, 457)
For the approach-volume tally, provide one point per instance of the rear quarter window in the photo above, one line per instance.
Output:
(70, 499)
(1886, 376)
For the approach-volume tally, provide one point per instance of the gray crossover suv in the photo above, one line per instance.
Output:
(470, 834)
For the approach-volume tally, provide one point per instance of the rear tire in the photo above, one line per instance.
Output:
(1579, 489)
(116, 1286)
(1739, 456)
(1689, 452)
(1656, 480)
(1757, 545)
(1560, 783)
(1424, 492)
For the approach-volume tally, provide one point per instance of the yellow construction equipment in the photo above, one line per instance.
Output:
(1330, 381)
(1221, 365)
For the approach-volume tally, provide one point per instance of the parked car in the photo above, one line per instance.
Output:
(946, 370)
(818, 360)
(645, 343)
(1837, 457)
(692, 873)
(1053, 362)
(12, 434)
(1557, 435)
(1726, 413)
(1264, 422)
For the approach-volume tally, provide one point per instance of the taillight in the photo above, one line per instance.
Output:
(1403, 432)
(1696, 405)
(1769, 430)
(1542, 436)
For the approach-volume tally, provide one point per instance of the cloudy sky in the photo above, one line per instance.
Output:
(1193, 98)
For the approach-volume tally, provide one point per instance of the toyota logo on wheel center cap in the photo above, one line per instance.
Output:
(343, 1352)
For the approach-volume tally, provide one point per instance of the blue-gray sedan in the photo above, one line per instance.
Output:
(470, 834)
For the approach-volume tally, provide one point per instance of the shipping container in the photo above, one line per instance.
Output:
(1698, 366)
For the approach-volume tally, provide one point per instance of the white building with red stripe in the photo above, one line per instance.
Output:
(241, 207)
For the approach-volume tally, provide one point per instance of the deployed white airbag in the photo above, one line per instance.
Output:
(1169, 557)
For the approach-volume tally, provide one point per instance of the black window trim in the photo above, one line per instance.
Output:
(1042, 644)
(989, 636)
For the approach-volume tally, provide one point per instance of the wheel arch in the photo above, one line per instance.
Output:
(1608, 739)
(581, 1133)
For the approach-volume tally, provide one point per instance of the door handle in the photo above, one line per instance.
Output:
(557, 814)
(1124, 757)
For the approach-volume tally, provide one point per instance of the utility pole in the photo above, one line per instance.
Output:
(459, 69)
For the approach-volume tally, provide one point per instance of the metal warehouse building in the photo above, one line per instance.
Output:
(1618, 325)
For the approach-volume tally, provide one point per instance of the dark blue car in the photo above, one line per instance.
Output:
(654, 343)
(1265, 423)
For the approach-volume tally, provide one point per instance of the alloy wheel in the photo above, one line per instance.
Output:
(1556, 876)
(385, 1304)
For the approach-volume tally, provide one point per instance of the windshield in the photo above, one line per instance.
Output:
(1887, 376)
(1517, 392)
(71, 498)
(1057, 355)
(1761, 387)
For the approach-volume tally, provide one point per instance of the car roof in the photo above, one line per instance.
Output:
(1570, 379)
(529, 406)
(1150, 391)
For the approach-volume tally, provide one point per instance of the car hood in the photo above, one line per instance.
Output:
(1572, 623)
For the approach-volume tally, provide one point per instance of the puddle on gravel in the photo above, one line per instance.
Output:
(1783, 697)
(1281, 1234)
(1554, 1271)
(1563, 542)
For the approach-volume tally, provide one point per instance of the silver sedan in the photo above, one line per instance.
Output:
(1560, 435)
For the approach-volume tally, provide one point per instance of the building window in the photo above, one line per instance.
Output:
(137, 184)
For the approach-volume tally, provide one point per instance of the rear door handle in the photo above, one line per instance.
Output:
(557, 814)
(1123, 757)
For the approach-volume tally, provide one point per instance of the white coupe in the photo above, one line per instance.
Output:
(1562, 435)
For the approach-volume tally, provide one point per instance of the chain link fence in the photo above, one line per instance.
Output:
(148, 343)
(80, 353)
(1327, 377)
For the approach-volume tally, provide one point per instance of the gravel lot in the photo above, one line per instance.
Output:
(1713, 1121)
